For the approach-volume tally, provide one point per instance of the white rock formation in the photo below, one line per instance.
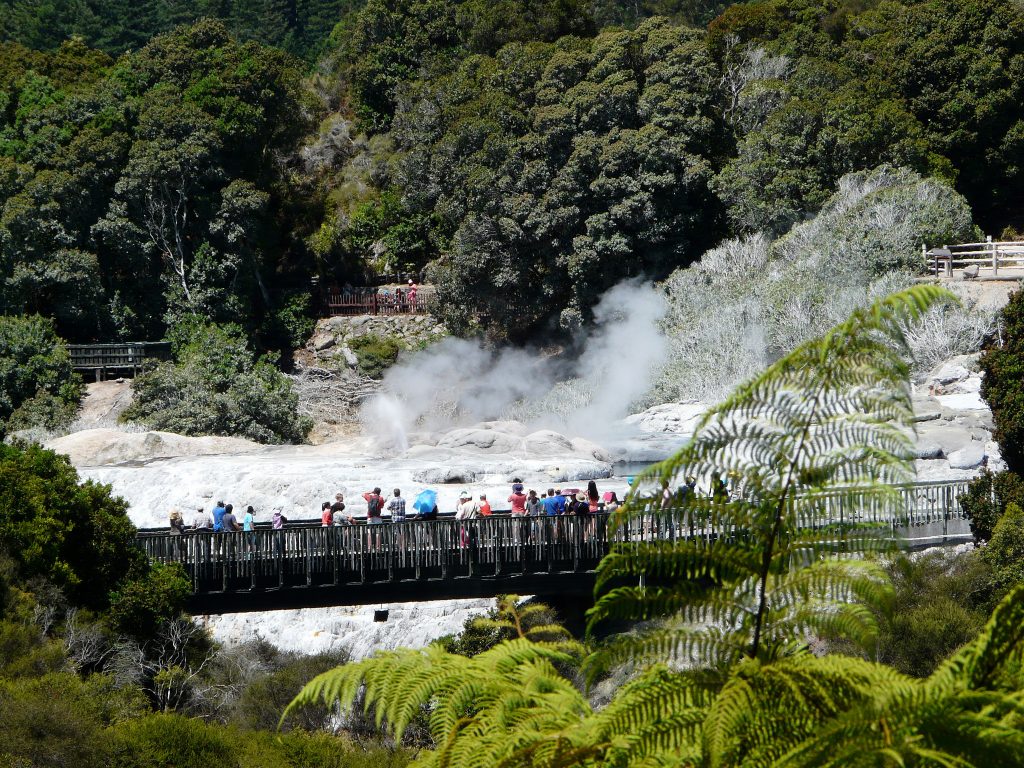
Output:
(312, 630)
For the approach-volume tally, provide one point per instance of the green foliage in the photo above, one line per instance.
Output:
(509, 619)
(141, 605)
(173, 741)
(986, 499)
(144, 190)
(1003, 383)
(260, 705)
(74, 534)
(829, 421)
(390, 42)
(218, 387)
(58, 720)
(558, 170)
(1005, 550)
(300, 27)
(918, 83)
(940, 603)
(37, 385)
(170, 740)
(375, 353)
(294, 320)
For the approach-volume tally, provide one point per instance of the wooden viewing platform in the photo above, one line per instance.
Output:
(374, 301)
(121, 358)
(305, 564)
(988, 259)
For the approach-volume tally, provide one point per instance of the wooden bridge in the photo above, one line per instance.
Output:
(120, 358)
(991, 259)
(305, 565)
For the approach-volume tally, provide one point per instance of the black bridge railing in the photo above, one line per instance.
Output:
(490, 548)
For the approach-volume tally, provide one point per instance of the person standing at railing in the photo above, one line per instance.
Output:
(177, 524)
(396, 506)
(518, 501)
(249, 529)
(277, 522)
(177, 530)
(218, 516)
(374, 516)
(326, 515)
(465, 512)
(202, 521)
(412, 295)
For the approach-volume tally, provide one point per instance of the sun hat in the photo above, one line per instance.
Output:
(464, 494)
(581, 497)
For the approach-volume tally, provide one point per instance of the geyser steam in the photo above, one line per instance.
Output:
(458, 382)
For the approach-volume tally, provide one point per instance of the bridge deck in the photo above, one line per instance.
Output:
(308, 565)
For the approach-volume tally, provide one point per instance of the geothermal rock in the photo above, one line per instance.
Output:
(927, 449)
(348, 628)
(949, 373)
(969, 457)
(483, 440)
(444, 475)
(676, 418)
(96, 447)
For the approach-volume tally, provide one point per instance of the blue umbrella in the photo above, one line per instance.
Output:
(425, 501)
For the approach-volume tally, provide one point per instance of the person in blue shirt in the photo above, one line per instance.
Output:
(554, 505)
(218, 517)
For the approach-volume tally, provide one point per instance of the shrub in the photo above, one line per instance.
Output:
(34, 364)
(170, 741)
(44, 411)
(262, 702)
(940, 602)
(293, 322)
(138, 608)
(217, 386)
(986, 499)
(75, 535)
(375, 353)
(1003, 384)
(53, 721)
(1005, 551)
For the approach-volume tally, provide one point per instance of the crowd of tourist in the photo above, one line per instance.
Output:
(394, 509)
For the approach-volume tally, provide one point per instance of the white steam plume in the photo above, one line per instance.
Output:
(458, 382)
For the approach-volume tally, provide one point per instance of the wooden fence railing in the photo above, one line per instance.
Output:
(990, 256)
(378, 301)
(119, 357)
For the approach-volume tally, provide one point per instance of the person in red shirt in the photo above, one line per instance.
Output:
(518, 501)
(485, 506)
(326, 515)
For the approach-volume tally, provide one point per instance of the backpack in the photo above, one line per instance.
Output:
(373, 506)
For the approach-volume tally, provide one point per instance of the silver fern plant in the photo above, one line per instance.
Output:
(827, 427)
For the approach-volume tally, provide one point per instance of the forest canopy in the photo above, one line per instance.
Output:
(522, 156)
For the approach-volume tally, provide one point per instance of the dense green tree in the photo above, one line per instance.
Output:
(218, 386)
(1003, 383)
(35, 366)
(115, 26)
(140, 606)
(74, 534)
(987, 498)
(139, 192)
(561, 170)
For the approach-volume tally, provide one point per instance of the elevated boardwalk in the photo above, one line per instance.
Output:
(119, 358)
(378, 301)
(305, 565)
(990, 260)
